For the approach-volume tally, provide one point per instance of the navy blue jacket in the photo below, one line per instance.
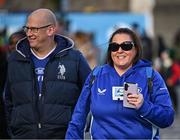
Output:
(47, 116)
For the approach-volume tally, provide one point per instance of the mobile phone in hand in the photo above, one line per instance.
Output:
(129, 88)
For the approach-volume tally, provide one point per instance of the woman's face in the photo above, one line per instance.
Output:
(123, 59)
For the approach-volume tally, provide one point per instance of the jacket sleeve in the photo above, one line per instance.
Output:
(159, 111)
(77, 124)
(8, 105)
(83, 71)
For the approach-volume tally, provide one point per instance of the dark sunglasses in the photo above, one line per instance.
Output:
(125, 46)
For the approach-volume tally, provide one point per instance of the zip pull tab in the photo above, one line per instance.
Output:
(39, 125)
(40, 95)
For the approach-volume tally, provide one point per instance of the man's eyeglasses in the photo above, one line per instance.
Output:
(125, 46)
(34, 29)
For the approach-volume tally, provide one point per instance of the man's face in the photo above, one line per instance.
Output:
(36, 31)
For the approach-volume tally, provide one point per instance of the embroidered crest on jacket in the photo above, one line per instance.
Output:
(61, 71)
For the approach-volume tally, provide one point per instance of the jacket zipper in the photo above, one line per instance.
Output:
(36, 95)
(41, 96)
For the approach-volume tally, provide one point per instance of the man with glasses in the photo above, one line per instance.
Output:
(45, 78)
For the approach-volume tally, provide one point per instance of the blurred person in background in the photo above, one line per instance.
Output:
(44, 80)
(173, 79)
(3, 70)
(111, 119)
(161, 48)
(147, 44)
(3, 41)
(14, 38)
(3, 36)
(84, 43)
(62, 27)
(163, 63)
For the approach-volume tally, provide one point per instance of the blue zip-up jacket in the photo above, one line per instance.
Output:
(48, 115)
(113, 121)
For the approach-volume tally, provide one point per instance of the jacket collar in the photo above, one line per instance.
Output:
(63, 45)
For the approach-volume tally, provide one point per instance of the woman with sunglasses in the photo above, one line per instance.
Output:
(105, 97)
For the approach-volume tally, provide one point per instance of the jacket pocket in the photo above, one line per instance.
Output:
(57, 114)
(13, 117)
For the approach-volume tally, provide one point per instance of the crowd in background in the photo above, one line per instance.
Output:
(167, 60)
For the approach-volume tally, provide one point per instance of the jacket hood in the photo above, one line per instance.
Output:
(139, 65)
(142, 63)
(63, 44)
(136, 67)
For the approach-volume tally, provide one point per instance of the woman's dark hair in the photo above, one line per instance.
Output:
(135, 38)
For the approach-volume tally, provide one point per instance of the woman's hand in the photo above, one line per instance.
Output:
(136, 100)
